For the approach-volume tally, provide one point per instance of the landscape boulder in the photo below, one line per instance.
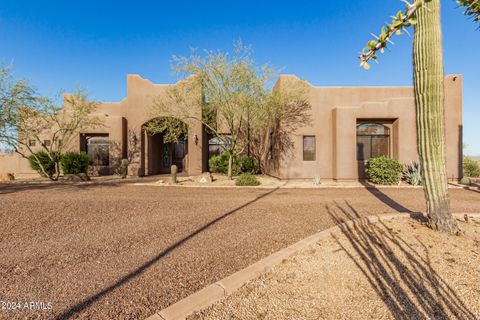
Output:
(81, 177)
(205, 177)
(6, 176)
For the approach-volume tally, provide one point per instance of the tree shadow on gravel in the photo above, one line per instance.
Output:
(384, 198)
(400, 274)
(79, 307)
(8, 188)
(468, 188)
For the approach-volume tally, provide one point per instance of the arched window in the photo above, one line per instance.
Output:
(97, 148)
(373, 140)
(217, 146)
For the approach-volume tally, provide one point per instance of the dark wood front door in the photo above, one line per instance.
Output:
(173, 153)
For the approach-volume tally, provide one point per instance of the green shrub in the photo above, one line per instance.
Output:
(466, 181)
(219, 164)
(75, 162)
(247, 179)
(413, 174)
(471, 168)
(47, 163)
(249, 165)
(383, 170)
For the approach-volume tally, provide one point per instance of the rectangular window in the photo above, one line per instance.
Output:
(309, 148)
(46, 143)
(31, 143)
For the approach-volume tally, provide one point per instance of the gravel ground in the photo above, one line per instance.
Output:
(398, 269)
(123, 252)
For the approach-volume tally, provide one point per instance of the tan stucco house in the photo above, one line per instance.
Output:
(349, 125)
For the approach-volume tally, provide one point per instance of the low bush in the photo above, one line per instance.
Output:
(248, 165)
(219, 164)
(413, 174)
(247, 179)
(384, 170)
(471, 168)
(45, 161)
(75, 162)
(466, 181)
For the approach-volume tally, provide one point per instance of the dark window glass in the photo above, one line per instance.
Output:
(309, 148)
(179, 150)
(46, 143)
(97, 148)
(216, 146)
(31, 143)
(271, 149)
(373, 140)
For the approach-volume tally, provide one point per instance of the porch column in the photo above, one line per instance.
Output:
(196, 141)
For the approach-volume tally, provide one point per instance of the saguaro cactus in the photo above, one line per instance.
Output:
(173, 173)
(429, 96)
(429, 101)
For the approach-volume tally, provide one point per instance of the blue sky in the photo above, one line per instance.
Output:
(61, 45)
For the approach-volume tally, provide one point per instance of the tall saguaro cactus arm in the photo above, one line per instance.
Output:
(400, 22)
(472, 8)
(404, 19)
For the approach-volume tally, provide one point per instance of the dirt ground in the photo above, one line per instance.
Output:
(397, 269)
(120, 251)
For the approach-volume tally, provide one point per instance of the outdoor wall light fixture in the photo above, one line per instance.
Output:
(195, 139)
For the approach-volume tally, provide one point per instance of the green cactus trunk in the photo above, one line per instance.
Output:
(173, 173)
(429, 101)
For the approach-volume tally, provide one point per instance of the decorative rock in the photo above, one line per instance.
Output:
(81, 177)
(160, 182)
(205, 177)
(5, 176)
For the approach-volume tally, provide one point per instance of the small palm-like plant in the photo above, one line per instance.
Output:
(413, 174)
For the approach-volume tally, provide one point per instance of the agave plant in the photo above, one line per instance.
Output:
(413, 174)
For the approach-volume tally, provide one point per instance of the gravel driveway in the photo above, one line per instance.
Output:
(123, 252)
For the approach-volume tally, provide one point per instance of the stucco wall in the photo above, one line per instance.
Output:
(335, 111)
(135, 111)
(14, 163)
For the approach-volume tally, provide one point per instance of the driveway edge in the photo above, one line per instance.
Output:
(224, 287)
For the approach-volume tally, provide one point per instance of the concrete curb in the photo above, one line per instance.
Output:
(286, 186)
(222, 288)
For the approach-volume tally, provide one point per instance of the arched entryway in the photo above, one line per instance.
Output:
(160, 151)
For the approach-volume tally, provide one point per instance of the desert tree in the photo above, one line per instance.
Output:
(223, 92)
(123, 156)
(428, 71)
(31, 123)
(14, 94)
(285, 109)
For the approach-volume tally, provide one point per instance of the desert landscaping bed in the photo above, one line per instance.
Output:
(396, 269)
(124, 252)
